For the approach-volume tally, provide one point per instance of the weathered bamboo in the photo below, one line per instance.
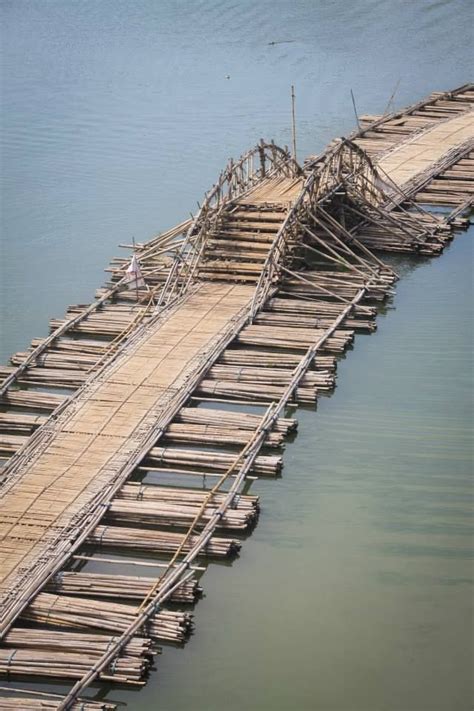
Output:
(145, 492)
(165, 514)
(237, 420)
(123, 587)
(272, 359)
(214, 435)
(158, 541)
(86, 613)
(265, 465)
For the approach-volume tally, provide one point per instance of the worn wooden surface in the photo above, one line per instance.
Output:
(418, 153)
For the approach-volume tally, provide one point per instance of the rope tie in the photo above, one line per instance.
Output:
(102, 535)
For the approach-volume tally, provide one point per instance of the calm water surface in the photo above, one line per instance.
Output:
(354, 592)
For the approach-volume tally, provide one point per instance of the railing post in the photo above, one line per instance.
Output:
(261, 150)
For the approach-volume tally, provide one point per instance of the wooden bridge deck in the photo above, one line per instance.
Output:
(418, 154)
(101, 428)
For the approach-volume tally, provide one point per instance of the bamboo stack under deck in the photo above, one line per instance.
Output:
(121, 587)
(85, 613)
(159, 542)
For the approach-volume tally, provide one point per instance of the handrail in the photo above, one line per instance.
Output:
(265, 160)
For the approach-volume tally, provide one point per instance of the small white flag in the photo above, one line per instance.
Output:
(133, 276)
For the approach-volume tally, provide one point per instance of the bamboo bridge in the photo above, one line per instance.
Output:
(129, 432)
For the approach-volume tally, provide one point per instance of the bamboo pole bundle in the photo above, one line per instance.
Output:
(32, 399)
(319, 287)
(265, 465)
(226, 418)
(293, 320)
(20, 422)
(84, 346)
(292, 338)
(252, 392)
(69, 665)
(313, 308)
(272, 359)
(212, 435)
(354, 279)
(51, 377)
(80, 642)
(149, 492)
(340, 279)
(86, 613)
(59, 359)
(383, 241)
(158, 541)
(9, 444)
(102, 328)
(124, 587)
(176, 515)
(322, 379)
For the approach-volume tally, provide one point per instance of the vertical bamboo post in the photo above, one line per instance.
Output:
(136, 279)
(293, 121)
(261, 151)
(355, 110)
